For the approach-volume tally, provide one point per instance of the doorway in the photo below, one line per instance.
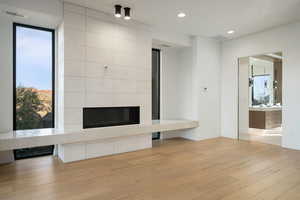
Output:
(155, 89)
(260, 98)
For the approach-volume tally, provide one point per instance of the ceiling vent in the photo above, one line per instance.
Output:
(14, 14)
(166, 46)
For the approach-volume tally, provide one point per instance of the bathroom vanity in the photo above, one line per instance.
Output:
(265, 117)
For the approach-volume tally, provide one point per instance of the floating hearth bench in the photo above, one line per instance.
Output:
(89, 143)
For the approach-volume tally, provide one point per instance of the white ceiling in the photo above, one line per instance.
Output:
(212, 18)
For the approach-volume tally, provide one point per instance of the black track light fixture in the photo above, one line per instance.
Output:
(127, 13)
(118, 11)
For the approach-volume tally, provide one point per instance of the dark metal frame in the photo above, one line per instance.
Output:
(159, 52)
(15, 25)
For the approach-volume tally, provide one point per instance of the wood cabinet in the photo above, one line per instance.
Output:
(265, 119)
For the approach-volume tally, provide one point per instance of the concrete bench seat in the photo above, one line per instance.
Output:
(41, 137)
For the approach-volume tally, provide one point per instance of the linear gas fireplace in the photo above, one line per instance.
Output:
(110, 116)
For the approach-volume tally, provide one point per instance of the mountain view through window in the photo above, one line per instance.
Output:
(33, 78)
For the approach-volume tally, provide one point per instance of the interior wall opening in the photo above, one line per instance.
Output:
(260, 98)
(34, 83)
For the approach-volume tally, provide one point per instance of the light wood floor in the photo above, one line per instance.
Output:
(269, 136)
(178, 169)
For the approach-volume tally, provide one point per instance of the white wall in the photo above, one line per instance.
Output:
(244, 96)
(170, 38)
(284, 39)
(176, 96)
(6, 87)
(206, 74)
(176, 83)
(43, 13)
(185, 74)
(6, 75)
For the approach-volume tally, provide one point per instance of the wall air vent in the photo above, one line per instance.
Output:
(14, 14)
(166, 46)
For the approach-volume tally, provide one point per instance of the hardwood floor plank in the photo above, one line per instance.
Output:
(174, 169)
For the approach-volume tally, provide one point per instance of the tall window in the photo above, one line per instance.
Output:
(33, 77)
(155, 88)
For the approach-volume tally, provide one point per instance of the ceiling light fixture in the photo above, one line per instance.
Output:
(127, 13)
(231, 32)
(181, 15)
(118, 10)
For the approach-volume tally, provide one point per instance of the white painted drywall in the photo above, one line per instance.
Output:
(6, 87)
(176, 83)
(6, 75)
(244, 95)
(169, 85)
(170, 38)
(205, 88)
(176, 96)
(283, 39)
(43, 13)
(185, 74)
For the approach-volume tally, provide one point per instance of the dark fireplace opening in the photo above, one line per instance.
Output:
(110, 116)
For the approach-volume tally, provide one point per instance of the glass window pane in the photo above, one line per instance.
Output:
(33, 78)
(261, 93)
(155, 88)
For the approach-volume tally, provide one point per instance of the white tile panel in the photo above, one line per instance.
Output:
(74, 20)
(74, 99)
(73, 84)
(99, 100)
(74, 68)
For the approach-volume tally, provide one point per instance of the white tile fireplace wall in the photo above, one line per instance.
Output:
(105, 64)
(102, 63)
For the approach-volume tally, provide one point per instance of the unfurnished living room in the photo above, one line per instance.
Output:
(149, 100)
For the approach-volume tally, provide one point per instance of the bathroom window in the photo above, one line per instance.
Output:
(261, 89)
(33, 60)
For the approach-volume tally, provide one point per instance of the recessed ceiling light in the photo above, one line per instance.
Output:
(118, 15)
(127, 17)
(230, 32)
(181, 15)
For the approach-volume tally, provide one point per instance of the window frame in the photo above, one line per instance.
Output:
(52, 31)
(158, 51)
